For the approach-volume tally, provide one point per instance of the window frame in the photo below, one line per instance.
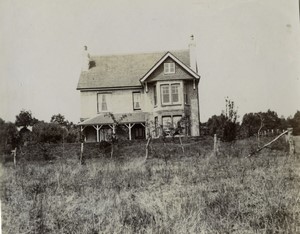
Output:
(170, 94)
(99, 110)
(169, 68)
(170, 122)
(133, 106)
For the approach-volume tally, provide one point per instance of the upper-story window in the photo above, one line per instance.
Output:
(136, 96)
(169, 68)
(103, 102)
(170, 94)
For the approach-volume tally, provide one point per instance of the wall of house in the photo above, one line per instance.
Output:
(192, 107)
(180, 73)
(88, 104)
(121, 102)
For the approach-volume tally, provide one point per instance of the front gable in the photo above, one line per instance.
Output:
(182, 71)
(159, 73)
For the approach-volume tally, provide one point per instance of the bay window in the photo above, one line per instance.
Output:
(170, 94)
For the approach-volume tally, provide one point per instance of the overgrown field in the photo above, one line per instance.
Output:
(170, 192)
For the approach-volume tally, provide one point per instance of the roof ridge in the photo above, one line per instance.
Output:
(138, 53)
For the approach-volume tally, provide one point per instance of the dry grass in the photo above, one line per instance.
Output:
(169, 193)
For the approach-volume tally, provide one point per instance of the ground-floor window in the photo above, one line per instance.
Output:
(175, 122)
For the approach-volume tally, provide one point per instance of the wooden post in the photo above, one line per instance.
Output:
(215, 144)
(15, 156)
(81, 152)
(291, 141)
(259, 149)
(129, 130)
(97, 130)
(129, 126)
(147, 147)
(181, 144)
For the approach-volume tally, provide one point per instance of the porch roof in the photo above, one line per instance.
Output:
(103, 119)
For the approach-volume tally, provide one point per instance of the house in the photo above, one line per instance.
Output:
(147, 93)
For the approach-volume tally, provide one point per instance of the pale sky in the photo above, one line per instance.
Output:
(248, 50)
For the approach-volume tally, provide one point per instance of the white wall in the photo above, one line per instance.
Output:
(121, 102)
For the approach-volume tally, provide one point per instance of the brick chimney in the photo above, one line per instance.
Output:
(85, 60)
(193, 54)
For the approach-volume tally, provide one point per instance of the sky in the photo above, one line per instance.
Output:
(247, 50)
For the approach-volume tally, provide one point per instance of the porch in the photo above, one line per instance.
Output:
(105, 126)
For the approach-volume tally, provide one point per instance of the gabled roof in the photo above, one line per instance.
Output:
(138, 117)
(113, 71)
(169, 55)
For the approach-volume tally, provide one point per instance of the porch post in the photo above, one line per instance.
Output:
(129, 126)
(97, 130)
(129, 130)
(145, 130)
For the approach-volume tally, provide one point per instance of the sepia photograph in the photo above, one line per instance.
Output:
(162, 116)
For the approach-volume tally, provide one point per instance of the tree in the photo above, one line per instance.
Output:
(271, 120)
(253, 123)
(295, 122)
(215, 124)
(59, 119)
(47, 132)
(25, 119)
(9, 137)
(118, 129)
(225, 125)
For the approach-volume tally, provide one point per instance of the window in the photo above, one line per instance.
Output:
(176, 119)
(173, 122)
(169, 68)
(155, 95)
(103, 102)
(165, 93)
(175, 94)
(166, 122)
(136, 100)
(170, 94)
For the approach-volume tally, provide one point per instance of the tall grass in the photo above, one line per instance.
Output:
(197, 192)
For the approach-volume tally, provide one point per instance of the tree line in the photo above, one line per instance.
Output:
(225, 125)
(228, 128)
(27, 128)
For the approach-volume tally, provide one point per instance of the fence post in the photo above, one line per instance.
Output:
(216, 144)
(147, 147)
(81, 152)
(291, 141)
(15, 156)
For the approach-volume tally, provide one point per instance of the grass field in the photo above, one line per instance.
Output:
(170, 192)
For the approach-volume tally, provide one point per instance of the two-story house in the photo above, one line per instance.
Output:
(153, 90)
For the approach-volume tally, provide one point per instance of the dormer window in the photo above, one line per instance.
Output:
(169, 68)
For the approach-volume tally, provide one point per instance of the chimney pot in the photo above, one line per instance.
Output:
(193, 56)
(85, 60)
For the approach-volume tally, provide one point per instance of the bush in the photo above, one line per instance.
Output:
(47, 132)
